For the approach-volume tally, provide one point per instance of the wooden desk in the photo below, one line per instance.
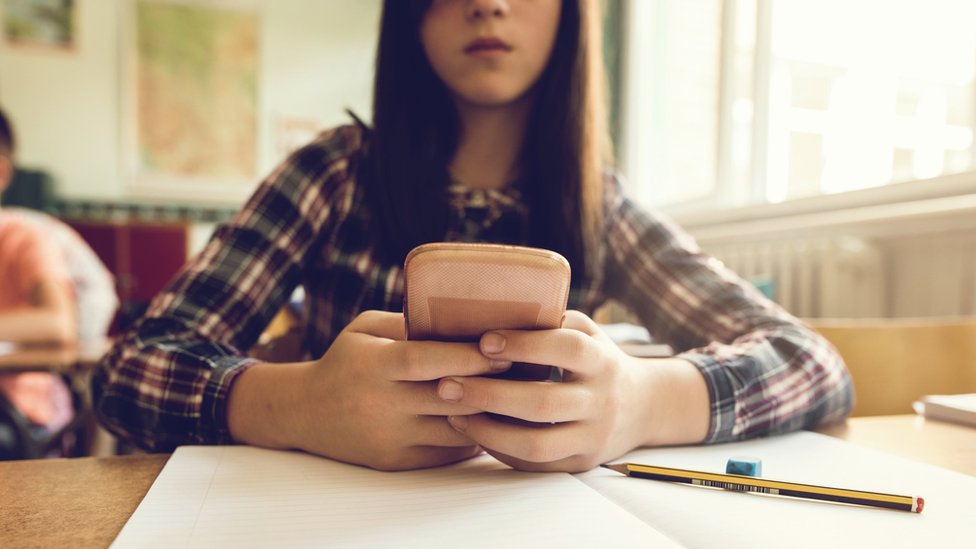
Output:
(79, 502)
(84, 502)
(59, 360)
(947, 445)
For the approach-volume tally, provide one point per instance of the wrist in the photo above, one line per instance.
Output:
(676, 406)
(263, 407)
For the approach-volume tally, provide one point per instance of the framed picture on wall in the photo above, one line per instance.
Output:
(46, 24)
(190, 98)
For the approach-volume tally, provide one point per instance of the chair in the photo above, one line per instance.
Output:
(893, 362)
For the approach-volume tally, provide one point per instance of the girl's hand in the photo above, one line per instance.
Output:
(607, 404)
(371, 400)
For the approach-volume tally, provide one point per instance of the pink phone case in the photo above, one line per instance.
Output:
(459, 291)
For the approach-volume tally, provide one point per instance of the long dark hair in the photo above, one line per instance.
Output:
(7, 141)
(415, 135)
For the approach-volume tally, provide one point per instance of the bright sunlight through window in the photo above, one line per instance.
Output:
(753, 101)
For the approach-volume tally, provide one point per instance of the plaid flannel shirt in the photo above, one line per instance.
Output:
(166, 381)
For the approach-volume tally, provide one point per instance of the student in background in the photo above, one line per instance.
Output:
(487, 126)
(94, 286)
(36, 304)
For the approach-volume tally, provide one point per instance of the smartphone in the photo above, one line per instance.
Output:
(459, 291)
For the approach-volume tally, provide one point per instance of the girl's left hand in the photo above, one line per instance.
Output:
(594, 415)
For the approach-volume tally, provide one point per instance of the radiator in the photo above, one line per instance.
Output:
(932, 275)
(812, 278)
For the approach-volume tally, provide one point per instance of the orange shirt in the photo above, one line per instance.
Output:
(29, 256)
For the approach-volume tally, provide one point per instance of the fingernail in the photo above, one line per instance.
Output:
(493, 343)
(450, 390)
(458, 422)
(499, 365)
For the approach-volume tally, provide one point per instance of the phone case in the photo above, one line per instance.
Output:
(458, 291)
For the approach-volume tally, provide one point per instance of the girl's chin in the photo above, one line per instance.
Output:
(490, 99)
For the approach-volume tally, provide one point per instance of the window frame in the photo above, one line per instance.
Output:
(731, 201)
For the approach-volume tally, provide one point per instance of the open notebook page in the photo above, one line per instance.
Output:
(704, 517)
(239, 496)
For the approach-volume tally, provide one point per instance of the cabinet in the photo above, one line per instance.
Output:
(143, 255)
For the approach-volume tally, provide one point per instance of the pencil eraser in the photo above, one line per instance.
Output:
(744, 465)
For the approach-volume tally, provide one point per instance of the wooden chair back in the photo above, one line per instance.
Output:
(895, 361)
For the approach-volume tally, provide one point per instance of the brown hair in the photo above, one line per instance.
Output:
(7, 142)
(415, 135)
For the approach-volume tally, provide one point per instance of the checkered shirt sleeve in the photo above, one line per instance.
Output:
(765, 370)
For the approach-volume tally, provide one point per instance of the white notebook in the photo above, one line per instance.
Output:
(238, 496)
(955, 408)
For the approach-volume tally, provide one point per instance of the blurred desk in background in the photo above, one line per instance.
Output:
(60, 360)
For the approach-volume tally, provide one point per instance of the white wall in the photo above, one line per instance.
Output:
(64, 105)
(317, 59)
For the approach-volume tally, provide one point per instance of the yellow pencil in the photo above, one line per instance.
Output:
(741, 483)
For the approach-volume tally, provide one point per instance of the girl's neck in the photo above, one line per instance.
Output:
(490, 142)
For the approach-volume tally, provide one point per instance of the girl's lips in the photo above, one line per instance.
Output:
(487, 45)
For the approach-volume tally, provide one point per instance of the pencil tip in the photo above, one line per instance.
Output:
(618, 467)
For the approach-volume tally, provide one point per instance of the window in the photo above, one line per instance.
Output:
(741, 102)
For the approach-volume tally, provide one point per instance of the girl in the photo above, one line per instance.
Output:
(487, 127)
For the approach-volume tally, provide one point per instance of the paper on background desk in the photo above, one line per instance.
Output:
(955, 408)
(239, 496)
(6, 347)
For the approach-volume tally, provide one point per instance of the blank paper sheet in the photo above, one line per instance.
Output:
(239, 496)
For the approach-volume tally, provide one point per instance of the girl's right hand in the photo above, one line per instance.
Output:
(371, 400)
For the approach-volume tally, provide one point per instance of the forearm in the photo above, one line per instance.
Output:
(35, 326)
(674, 401)
(262, 407)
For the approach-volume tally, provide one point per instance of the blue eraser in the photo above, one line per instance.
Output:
(744, 465)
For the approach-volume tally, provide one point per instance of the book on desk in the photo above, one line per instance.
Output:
(243, 496)
(954, 408)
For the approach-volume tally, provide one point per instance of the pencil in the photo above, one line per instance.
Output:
(741, 483)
